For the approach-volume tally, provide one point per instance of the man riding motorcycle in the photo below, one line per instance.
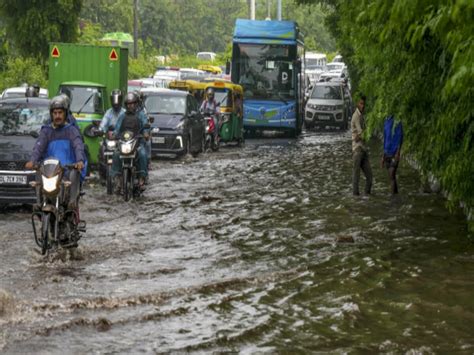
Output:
(131, 120)
(211, 105)
(112, 114)
(63, 141)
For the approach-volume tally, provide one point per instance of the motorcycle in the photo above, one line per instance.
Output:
(109, 145)
(128, 145)
(212, 137)
(61, 226)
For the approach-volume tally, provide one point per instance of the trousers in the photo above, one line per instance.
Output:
(360, 161)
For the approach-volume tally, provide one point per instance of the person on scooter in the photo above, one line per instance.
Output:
(144, 116)
(63, 141)
(132, 121)
(210, 104)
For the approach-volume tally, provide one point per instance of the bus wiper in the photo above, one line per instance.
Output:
(282, 98)
(85, 103)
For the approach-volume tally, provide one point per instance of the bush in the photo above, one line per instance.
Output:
(21, 70)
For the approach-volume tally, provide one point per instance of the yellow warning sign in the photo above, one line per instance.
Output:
(55, 52)
(113, 55)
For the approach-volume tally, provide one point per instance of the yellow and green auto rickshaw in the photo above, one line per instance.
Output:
(194, 87)
(229, 96)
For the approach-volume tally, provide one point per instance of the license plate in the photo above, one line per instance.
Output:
(324, 117)
(13, 179)
(159, 140)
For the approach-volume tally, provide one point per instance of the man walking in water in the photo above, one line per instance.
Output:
(392, 144)
(360, 152)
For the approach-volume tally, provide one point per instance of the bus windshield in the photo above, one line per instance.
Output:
(266, 71)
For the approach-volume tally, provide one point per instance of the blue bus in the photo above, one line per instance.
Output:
(266, 61)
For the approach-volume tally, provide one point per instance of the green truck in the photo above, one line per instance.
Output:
(87, 74)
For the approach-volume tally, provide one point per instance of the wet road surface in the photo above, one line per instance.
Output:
(259, 249)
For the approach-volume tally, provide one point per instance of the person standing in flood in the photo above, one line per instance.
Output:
(392, 145)
(360, 152)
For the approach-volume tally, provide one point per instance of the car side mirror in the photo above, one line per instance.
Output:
(151, 119)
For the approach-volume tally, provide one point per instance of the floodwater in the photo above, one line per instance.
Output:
(260, 249)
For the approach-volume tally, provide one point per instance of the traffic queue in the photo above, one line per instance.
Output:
(48, 147)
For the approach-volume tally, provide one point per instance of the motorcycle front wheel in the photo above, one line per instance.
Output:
(127, 185)
(45, 230)
(108, 180)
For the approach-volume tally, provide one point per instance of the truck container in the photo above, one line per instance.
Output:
(87, 74)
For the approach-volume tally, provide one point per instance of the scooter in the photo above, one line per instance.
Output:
(109, 145)
(61, 226)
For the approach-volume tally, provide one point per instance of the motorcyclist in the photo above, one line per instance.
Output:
(112, 114)
(144, 116)
(131, 120)
(32, 91)
(211, 105)
(61, 140)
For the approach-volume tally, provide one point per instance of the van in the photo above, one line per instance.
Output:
(208, 56)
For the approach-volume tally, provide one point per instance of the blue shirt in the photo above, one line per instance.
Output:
(392, 136)
(110, 118)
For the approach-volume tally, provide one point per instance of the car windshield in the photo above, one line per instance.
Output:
(334, 66)
(84, 99)
(327, 93)
(223, 97)
(166, 104)
(13, 95)
(22, 118)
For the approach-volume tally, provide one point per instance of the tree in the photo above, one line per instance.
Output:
(31, 25)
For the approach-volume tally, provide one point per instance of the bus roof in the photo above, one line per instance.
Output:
(271, 32)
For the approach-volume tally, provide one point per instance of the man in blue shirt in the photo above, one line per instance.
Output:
(392, 145)
(112, 114)
(63, 141)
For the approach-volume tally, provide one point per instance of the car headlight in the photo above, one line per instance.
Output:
(111, 144)
(180, 125)
(312, 106)
(50, 184)
(126, 148)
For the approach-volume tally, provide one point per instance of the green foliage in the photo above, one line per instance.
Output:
(22, 70)
(112, 15)
(415, 59)
(31, 25)
(90, 33)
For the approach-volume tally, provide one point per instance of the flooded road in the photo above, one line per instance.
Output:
(260, 249)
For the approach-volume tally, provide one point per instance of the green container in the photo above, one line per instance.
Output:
(83, 71)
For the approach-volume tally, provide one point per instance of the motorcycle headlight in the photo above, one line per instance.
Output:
(126, 148)
(50, 184)
(111, 144)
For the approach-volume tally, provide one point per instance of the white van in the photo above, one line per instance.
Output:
(210, 56)
(313, 59)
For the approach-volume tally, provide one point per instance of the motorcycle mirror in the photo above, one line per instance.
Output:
(151, 119)
(90, 131)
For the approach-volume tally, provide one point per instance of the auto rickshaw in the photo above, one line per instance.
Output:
(229, 96)
(210, 69)
(194, 87)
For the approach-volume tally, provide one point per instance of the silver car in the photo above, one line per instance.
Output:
(326, 106)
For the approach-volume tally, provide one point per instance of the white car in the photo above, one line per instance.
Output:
(326, 106)
(20, 91)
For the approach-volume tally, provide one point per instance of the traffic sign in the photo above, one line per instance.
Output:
(113, 54)
(55, 52)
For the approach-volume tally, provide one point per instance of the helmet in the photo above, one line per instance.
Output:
(67, 100)
(210, 92)
(58, 102)
(131, 98)
(31, 92)
(116, 98)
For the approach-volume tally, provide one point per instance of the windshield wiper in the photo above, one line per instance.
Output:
(85, 103)
(282, 98)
